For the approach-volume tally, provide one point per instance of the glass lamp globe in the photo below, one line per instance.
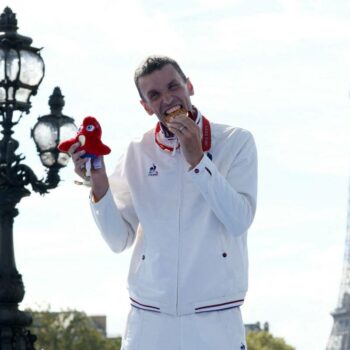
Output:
(21, 67)
(51, 129)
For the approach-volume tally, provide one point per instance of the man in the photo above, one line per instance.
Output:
(185, 193)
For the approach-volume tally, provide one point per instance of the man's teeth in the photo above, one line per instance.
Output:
(172, 109)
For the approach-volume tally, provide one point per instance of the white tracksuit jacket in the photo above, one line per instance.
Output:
(190, 227)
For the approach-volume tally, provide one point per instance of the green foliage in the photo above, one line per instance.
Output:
(74, 330)
(68, 330)
(266, 341)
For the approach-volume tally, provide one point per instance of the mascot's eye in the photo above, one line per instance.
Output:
(90, 128)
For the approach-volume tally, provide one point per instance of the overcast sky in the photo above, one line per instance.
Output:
(279, 68)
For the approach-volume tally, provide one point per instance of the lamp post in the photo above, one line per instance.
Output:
(21, 72)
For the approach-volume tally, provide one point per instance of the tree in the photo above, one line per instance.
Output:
(69, 330)
(266, 341)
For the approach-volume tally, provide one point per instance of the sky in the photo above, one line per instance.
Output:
(279, 68)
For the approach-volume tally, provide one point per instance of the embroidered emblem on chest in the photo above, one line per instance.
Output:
(153, 170)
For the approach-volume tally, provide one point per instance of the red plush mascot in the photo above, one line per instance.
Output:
(89, 136)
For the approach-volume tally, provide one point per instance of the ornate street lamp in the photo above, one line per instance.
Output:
(21, 72)
(49, 131)
(21, 66)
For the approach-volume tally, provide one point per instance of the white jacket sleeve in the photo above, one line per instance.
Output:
(114, 214)
(233, 197)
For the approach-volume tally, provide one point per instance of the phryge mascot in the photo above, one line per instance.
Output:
(89, 136)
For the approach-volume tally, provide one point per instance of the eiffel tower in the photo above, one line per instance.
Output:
(340, 334)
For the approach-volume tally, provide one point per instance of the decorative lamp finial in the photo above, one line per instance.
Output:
(56, 101)
(8, 21)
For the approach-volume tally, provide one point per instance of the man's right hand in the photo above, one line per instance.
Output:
(99, 179)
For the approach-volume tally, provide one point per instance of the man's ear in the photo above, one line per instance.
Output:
(147, 108)
(190, 87)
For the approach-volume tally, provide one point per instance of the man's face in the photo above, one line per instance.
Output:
(164, 91)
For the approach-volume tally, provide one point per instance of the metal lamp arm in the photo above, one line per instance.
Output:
(41, 186)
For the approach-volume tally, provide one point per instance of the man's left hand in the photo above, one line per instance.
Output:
(189, 136)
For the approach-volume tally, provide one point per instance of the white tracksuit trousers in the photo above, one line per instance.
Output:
(215, 330)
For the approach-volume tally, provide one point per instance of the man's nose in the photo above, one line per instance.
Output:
(167, 97)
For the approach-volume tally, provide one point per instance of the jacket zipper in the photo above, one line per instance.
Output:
(179, 230)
